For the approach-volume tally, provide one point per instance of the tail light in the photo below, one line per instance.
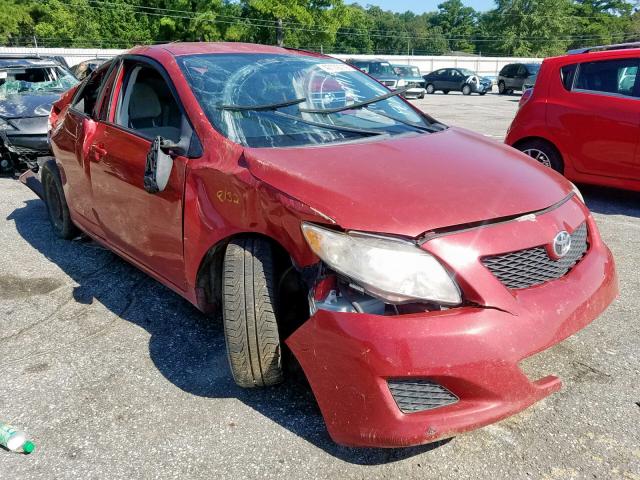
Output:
(526, 96)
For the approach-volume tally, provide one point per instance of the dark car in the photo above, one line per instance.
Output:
(409, 76)
(517, 76)
(326, 218)
(457, 79)
(381, 70)
(28, 88)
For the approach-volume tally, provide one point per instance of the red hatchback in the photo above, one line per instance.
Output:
(405, 265)
(583, 118)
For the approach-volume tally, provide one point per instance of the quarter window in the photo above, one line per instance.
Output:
(610, 76)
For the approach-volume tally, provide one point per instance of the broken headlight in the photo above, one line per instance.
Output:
(391, 269)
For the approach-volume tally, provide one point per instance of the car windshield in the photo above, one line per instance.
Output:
(27, 80)
(467, 72)
(533, 68)
(259, 100)
(407, 71)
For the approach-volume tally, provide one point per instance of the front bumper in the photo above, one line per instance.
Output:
(415, 92)
(28, 144)
(473, 352)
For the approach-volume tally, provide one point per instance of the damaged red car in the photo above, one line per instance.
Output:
(407, 266)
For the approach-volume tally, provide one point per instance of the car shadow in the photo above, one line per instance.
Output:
(611, 201)
(186, 346)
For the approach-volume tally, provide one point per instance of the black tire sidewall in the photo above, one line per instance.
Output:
(552, 154)
(64, 227)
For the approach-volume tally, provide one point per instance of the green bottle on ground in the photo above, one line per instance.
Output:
(15, 440)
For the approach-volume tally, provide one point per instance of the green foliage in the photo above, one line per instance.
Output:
(513, 27)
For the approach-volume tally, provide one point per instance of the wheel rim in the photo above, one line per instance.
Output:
(430, 89)
(466, 89)
(54, 203)
(539, 155)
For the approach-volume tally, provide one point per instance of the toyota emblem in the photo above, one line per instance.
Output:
(562, 244)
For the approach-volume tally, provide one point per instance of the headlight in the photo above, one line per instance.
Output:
(577, 192)
(4, 125)
(391, 269)
(402, 83)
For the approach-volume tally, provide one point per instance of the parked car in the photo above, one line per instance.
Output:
(82, 69)
(457, 79)
(412, 79)
(517, 76)
(382, 249)
(581, 118)
(28, 87)
(381, 70)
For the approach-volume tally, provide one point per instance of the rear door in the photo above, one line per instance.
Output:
(70, 147)
(599, 114)
(146, 227)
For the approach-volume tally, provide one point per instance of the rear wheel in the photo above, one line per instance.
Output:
(466, 90)
(544, 152)
(249, 287)
(57, 208)
(431, 89)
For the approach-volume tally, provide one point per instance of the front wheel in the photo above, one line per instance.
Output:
(431, 89)
(543, 152)
(466, 90)
(249, 289)
(57, 208)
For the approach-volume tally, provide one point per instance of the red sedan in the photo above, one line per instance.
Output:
(406, 265)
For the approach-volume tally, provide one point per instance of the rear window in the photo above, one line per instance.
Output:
(567, 74)
(616, 77)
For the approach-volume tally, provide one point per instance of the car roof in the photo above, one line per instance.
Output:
(26, 61)
(590, 56)
(199, 48)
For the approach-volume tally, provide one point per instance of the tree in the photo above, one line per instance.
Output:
(458, 24)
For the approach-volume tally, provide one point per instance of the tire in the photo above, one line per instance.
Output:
(249, 287)
(421, 96)
(431, 89)
(466, 89)
(544, 152)
(57, 208)
(482, 94)
(446, 92)
(502, 88)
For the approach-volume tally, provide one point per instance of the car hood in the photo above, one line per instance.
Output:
(411, 185)
(27, 105)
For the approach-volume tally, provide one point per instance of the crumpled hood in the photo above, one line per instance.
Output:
(27, 105)
(411, 185)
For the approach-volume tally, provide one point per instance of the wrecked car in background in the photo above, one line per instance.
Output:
(457, 79)
(82, 69)
(28, 88)
(404, 264)
(412, 80)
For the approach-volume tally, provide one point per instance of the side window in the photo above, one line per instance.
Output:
(441, 73)
(522, 71)
(147, 106)
(609, 76)
(567, 74)
(455, 74)
(87, 95)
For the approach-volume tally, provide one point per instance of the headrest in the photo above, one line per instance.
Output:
(144, 102)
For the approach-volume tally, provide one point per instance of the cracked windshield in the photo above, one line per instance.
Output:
(261, 100)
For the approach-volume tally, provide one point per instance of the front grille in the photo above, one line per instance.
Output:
(389, 83)
(417, 395)
(533, 266)
(415, 84)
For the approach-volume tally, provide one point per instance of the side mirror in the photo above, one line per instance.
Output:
(159, 164)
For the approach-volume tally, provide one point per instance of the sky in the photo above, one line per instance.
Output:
(421, 6)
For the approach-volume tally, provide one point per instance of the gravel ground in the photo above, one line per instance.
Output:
(115, 376)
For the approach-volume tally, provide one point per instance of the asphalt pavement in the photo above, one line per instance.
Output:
(114, 376)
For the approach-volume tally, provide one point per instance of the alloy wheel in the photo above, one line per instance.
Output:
(539, 155)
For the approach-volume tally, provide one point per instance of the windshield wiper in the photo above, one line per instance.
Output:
(262, 108)
(356, 105)
(328, 125)
(405, 122)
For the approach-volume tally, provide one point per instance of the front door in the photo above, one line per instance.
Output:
(145, 226)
